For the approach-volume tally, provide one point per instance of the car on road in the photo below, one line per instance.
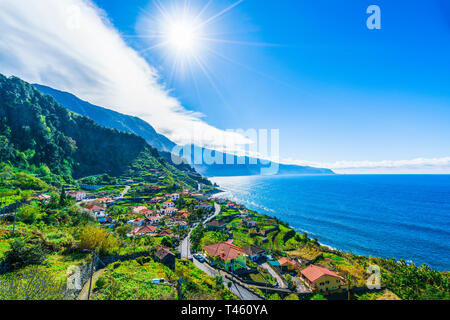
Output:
(199, 257)
(158, 280)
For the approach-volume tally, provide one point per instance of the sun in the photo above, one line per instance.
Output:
(182, 36)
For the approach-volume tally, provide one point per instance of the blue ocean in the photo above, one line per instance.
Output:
(391, 216)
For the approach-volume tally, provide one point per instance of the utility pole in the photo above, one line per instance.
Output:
(180, 289)
(92, 272)
(15, 215)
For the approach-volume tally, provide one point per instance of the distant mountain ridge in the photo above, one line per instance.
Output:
(38, 133)
(109, 118)
(126, 123)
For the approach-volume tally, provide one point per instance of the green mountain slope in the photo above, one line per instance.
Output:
(36, 130)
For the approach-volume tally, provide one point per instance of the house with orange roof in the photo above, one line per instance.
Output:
(287, 264)
(226, 255)
(139, 209)
(321, 279)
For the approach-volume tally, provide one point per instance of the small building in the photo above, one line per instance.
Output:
(321, 279)
(76, 195)
(216, 225)
(254, 253)
(165, 256)
(287, 264)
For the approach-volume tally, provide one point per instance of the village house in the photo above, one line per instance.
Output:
(253, 252)
(97, 210)
(183, 213)
(142, 231)
(165, 232)
(136, 222)
(153, 220)
(156, 200)
(169, 211)
(138, 210)
(43, 198)
(216, 225)
(321, 279)
(165, 256)
(174, 196)
(287, 265)
(104, 200)
(168, 204)
(231, 205)
(76, 195)
(226, 255)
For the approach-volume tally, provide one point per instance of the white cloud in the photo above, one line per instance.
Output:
(47, 42)
(422, 165)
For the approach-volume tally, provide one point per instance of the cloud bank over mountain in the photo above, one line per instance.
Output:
(71, 46)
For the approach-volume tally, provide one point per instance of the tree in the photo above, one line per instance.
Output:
(318, 297)
(62, 197)
(349, 280)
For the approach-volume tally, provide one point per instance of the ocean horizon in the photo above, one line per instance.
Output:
(390, 216)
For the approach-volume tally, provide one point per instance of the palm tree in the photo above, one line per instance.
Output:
(349, 280)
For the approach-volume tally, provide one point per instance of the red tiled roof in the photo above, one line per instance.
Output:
(225, 250)
(144, 230)
(313, 272)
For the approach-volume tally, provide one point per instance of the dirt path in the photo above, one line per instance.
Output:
(83, 295)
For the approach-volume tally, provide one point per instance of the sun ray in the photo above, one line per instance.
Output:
(221, 13)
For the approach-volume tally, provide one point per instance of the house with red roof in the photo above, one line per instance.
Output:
(143, 231)
(226, 255)
(321, 279)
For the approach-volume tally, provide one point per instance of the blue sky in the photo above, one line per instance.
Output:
(335, 89)
(342, 96)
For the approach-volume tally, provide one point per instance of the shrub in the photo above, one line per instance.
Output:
(29, 214)
(97, 239)
(22, 254)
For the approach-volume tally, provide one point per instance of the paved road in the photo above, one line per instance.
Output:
(275, 275)
(124, 192)
(185, 246)
(240, 291)
(83, 295)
